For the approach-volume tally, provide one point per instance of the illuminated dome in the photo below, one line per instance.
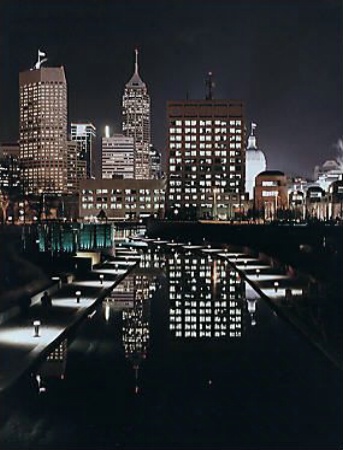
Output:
(255, 162)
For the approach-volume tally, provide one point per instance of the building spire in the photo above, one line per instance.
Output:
(136, 61)
(136, 81)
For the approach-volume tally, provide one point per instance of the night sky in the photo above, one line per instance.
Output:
(282, 58)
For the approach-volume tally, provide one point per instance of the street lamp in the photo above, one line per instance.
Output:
(276, 286)
(258, 273)
(36, 326)
(101, 277)
(78, 296)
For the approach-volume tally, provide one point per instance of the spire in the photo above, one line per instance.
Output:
(136, 61)
(136, 81)
(252, 138)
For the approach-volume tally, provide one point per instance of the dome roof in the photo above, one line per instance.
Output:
(271, 173)
(255, 155)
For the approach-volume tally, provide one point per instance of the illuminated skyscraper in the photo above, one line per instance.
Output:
(85, 134)
(206, 158)
(136, 121)
(117, 157)
(43, 128)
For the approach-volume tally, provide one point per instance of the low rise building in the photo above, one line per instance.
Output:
(122, 199)
(271, 193)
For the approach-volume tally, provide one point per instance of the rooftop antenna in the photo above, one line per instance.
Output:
(40, 61)
(136, 60)
(209, 86)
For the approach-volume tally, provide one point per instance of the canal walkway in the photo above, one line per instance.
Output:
(27, 339)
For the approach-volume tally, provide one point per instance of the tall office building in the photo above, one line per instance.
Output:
(85, 134)
(205, 159)
(43, 128)
(117, 156)
(136, 121)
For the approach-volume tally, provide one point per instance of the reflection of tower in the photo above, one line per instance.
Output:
(204, 298)
(55, 363)
(251, 297)
(136, 326)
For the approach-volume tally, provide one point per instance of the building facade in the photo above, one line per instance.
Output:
(117, 157)
(136, 121)
(10, 180)
(43, 129)
(205, 158)
(76, 167)
(122, 199)
(271, 194)
(85, 134)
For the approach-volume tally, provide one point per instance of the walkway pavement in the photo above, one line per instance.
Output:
(288, 296)
(21, 350)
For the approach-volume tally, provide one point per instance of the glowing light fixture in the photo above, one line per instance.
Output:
(78, 296)
(36, 327)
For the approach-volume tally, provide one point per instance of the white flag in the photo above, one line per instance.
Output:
(41, 53)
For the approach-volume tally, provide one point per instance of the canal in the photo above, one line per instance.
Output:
(182, 355)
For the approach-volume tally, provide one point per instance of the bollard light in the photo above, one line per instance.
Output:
(36, 327)
(245, 262)
(78, 296)
(101, 276)
(276, 286)
(258, 273)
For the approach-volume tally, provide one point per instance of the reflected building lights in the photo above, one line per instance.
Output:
(205, 298)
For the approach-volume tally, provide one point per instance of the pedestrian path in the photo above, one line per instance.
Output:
(28, 338)
(288, 295)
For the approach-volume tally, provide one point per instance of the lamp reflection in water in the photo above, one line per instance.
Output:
(252, 310)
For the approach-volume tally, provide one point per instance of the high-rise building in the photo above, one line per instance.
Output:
(117, 158)
(43, 128)
(136, 121)
(85, 134)
(205, 159)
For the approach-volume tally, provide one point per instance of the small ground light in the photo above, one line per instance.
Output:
(78, 296)
(276, 286)
(245, 262)
(36, 327)
(258, 272)
(101, 276)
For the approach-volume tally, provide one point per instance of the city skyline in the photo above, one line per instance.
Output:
(282, 60)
